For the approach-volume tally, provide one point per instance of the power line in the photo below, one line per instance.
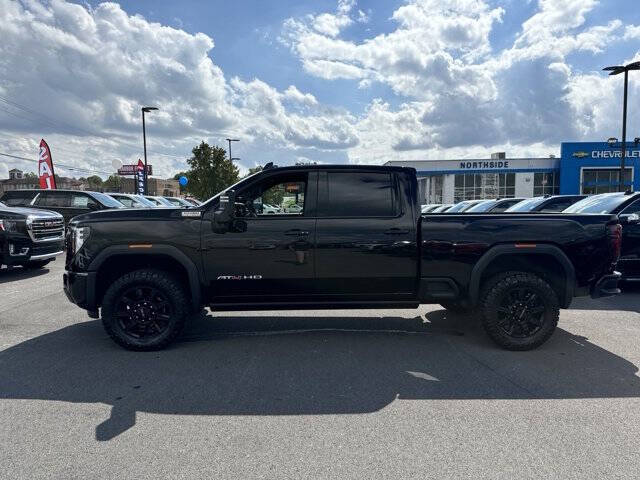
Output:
(57, 123)
(66, 167)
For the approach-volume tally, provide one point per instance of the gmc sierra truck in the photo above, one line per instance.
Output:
(28, 237)
(346, 237)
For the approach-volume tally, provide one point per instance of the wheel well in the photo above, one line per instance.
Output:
(543, 265)
(118, 265)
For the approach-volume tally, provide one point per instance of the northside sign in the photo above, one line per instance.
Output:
(484, 164)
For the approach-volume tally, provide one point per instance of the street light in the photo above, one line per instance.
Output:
(615, 70)
(144, 141)
(232, 140)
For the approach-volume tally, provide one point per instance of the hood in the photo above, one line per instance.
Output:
(136, 214)
(25, 212)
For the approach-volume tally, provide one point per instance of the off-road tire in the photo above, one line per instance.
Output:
(455, 307)
(35, 264)
(494, 294)
(163, 282)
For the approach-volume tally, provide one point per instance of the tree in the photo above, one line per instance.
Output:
(177, 177)
(254, 170)
(113, 183)
(210, 171)
(94, 182)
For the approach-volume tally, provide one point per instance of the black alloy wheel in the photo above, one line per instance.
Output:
(143, 312)
(520, 310)
(144, 309)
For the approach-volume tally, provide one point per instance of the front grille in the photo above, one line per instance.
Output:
(47, 229)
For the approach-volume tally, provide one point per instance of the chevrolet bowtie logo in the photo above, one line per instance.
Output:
(580, 154)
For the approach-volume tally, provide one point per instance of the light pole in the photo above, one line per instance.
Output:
(144, 141)
(615, 70)
(232, 140)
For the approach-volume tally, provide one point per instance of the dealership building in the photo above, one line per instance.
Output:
(583, 167)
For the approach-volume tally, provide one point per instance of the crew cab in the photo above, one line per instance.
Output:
(28, 237)
(357, 239)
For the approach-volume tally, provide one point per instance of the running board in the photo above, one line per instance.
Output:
(250, 307)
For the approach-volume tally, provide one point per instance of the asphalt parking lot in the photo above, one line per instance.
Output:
(321, 394)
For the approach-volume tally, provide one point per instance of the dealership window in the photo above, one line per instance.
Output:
(472, 186)
(604, 180)
(435, 189)
(546, 184)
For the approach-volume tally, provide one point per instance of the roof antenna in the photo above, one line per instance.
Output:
(268, 166)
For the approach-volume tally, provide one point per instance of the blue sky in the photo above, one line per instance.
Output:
(324, 80)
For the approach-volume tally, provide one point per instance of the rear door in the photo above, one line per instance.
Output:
(55, 201)
(366, 236)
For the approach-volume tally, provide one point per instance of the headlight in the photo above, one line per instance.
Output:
(8, 226)
(79, 236)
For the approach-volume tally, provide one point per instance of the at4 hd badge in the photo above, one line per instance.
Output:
(239, 277)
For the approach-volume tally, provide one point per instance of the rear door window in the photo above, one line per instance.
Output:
(633, 208)
(359, 194)
(557, 205)
(53, 199)
(82, 201)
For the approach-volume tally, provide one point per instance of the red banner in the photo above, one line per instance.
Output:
(45, 167)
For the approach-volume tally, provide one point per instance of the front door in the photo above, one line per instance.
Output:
(269, 253)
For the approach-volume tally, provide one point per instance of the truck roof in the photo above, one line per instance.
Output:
(382, 168)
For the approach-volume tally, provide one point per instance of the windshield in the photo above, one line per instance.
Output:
(106, 200)
(458, 207)
(143, 201)
(232, 187)
(526, 205)
(603, 203)
(482, 206)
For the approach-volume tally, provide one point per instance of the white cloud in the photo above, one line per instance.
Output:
(88, 70)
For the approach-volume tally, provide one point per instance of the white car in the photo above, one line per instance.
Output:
(293, 208)
(270, 209)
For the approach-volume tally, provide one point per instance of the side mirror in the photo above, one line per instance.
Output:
(631, 218)
(225, 211)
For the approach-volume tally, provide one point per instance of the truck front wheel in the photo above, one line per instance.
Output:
(520, 310)
(144, 310)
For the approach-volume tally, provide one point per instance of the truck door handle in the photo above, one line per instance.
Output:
(296, 232)
(396, 231)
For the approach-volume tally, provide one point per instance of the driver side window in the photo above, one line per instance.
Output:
(278, 195)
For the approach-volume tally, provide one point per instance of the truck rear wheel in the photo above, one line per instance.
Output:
(519, 310)
(144, 310)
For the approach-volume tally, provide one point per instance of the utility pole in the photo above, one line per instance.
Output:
(615, 70)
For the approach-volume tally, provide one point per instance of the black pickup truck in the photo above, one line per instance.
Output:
(29, 237)
(346, 237)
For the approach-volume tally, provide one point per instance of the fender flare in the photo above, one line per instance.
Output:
(539, 249)
(168, 250)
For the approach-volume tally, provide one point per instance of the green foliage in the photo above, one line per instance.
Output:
(95, 182)
(210, 171)
(113, 183)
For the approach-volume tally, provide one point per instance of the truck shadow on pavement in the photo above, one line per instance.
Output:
(20, 273)
(257, 365)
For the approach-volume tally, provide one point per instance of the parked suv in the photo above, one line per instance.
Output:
(67, 203)
(29, 237)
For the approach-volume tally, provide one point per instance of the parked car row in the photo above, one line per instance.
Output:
(70, 203)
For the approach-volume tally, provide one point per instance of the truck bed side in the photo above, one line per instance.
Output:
(557, 246)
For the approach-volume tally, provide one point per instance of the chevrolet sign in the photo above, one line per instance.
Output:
(580, 154)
